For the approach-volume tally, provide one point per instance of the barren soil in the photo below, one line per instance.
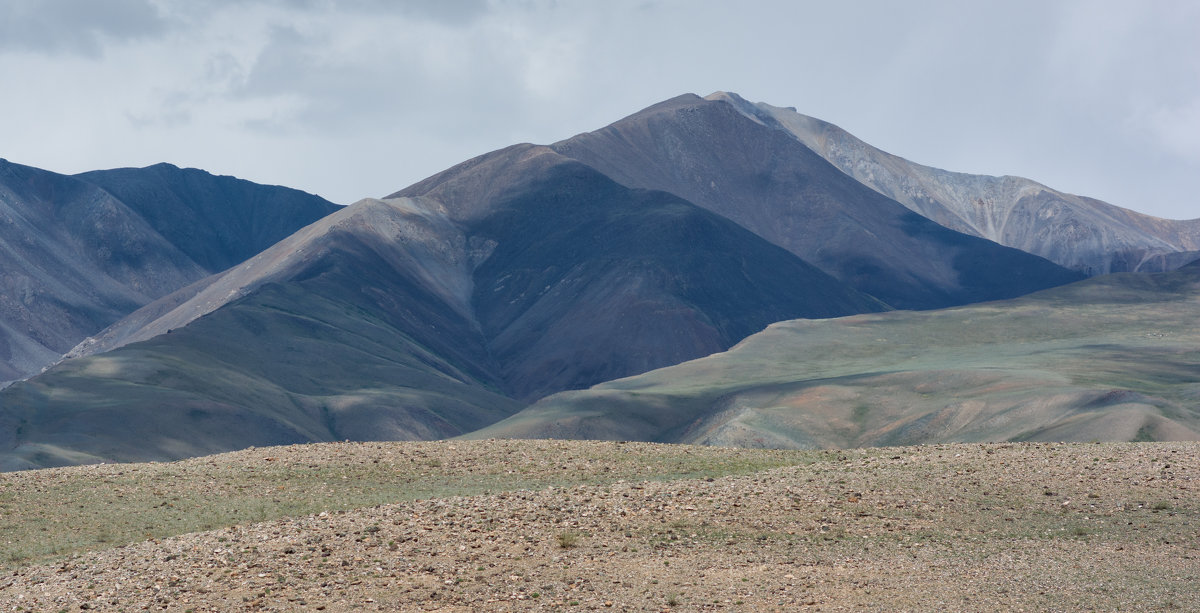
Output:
(532, 525)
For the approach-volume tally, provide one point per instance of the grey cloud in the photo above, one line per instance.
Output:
(1098, 97)
(78, 27)
(380, 83)
(450, 12)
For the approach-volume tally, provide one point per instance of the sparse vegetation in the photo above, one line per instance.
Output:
(1109, 358)
(567, 540)
(855, 527)
(129, 503)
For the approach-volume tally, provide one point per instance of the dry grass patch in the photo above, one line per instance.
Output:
(944, 527)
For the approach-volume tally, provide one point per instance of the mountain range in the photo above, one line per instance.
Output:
(496, 292)
(80, 252)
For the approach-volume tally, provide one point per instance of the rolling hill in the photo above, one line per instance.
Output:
(1110, 358)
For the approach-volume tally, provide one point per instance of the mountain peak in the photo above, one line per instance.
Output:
(727, 97)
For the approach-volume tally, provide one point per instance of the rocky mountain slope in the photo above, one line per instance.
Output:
(331, 334)
(665, 237)
(1110, 358)
(550, 525)
(392, 320)
(710, 153)
(78, 253)
(1080, 233)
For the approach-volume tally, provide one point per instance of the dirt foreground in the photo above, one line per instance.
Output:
(1033, 527)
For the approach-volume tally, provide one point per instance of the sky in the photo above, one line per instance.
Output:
(360, 98)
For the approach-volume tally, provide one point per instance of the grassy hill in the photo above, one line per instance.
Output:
(1111, 358)
(570, 525)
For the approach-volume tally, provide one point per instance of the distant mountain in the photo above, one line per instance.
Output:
(709, 152)
(333, 333)
(665, 237)
(590, 279)
(76, 256)
(1110, 358)
(398, 319)
(218, 222)
(1080, 233)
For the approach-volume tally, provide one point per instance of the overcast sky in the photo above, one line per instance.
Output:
(360, 98)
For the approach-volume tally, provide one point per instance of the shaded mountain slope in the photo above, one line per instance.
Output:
(331, 337)
(572, 278)
(1080, 233)
(422, 243)
(589, 280)
(1111, 358)
(75, 258)
(217, 221)
(390, 320)
(710, 153)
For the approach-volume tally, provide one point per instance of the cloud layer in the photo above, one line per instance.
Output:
(360, 98)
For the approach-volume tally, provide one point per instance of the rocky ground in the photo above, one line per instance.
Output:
(1035, 527)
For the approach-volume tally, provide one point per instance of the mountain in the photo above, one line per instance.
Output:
(333, 333)
(1079, 233)
(589, 279)
(1110, 358)
(78, 253)
(218, 222)
(667, 236)
(709, 152)
(395, 319)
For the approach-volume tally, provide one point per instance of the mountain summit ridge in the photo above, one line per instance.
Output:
(1077, 232)
(712, 154)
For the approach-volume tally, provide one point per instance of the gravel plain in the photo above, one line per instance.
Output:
(536, 525)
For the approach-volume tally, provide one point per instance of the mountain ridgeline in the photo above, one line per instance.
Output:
(521, 277)
(710, 153)
(1079, 233)
(81, 252)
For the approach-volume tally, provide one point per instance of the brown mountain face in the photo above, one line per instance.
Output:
(75, 257)
(710, 153)
(1079, 233)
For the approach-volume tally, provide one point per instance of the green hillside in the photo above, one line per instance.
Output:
(1111, 358)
